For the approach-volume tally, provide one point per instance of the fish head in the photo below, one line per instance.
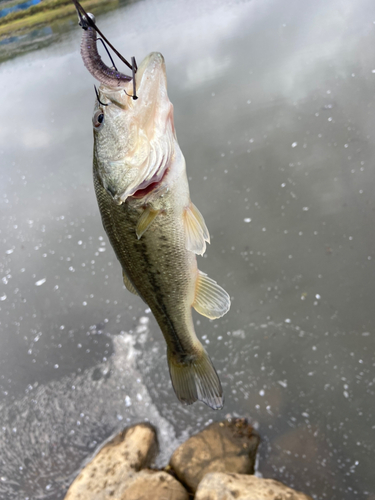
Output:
(134, 138)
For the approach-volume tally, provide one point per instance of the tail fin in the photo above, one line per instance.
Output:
(196, 379)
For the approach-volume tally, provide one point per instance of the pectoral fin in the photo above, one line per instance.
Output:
(145, 220)
(196, 230)
(128, 284)
(210, 299)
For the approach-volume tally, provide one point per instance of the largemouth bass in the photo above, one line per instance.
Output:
(154, 228)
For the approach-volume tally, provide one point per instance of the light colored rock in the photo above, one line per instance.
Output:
(228, 446)
(152, 485)
(224, 486)
(131, 450)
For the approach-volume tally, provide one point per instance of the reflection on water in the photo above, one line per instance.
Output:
(274, 113)
(37, 39)
(20, 6)
(22, 42)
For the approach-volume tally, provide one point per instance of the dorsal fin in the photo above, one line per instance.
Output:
(196, 230)
(210, 299)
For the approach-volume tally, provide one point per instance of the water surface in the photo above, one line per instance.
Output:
(274, 113)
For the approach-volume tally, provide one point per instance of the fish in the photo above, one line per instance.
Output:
(154, 228)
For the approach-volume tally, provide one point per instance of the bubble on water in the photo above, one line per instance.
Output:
(8, 252)
(261, 392)
(294, 144)
(3, 297)
(247, 220)
(283, 383)
(239, 333)
(317, 296)
(287, 320)
(40, 282)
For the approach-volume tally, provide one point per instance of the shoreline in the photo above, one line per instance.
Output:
(44, 13)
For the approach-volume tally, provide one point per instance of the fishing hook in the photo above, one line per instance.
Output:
(134, 70)
(97, 96)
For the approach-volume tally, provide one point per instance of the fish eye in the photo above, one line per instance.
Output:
(98, 118)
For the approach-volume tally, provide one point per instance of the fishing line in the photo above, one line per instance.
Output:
(109, 55)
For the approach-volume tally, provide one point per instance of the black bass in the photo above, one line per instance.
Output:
(154, 228)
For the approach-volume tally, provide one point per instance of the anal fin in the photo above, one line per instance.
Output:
(196, 230)
(210, 299)
(128, 284)
(145, 220)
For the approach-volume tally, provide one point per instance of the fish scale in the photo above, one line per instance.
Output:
(157, 264)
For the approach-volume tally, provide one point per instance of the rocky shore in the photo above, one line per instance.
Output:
(215, 464)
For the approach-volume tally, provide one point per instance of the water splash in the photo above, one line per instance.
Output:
(47, 435)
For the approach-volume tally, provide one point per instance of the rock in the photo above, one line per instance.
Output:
(152, 485)
(228, 446)
(224, 486)
(131, 450)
